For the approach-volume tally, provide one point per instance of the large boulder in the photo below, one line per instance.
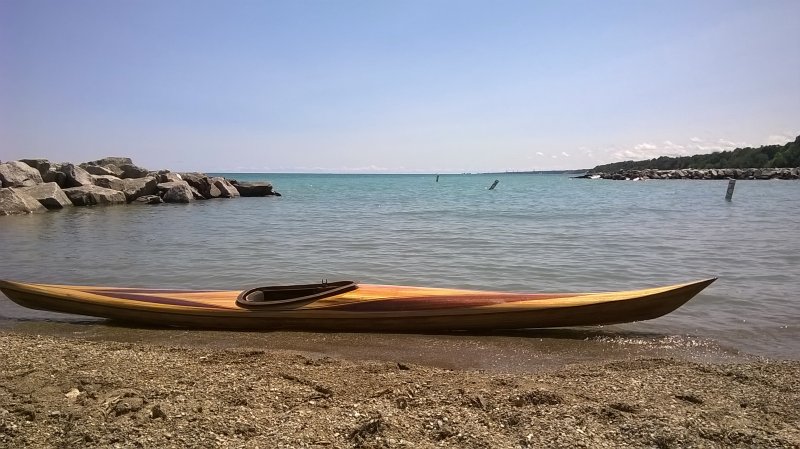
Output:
(101, 170)
(17, 203)
(148, 199)
(48, 194)
(225, 187)
(201, 182)
(168, 176)
(118, 161)
(253, 188)
(76, 176)
(54, 174)
(164, 187)
(109, 182)
(136, 187)
(91, 195)
(43, 165)
(133, 171)
(19, 174)
(179, 192)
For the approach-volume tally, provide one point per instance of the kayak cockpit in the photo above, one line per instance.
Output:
(291, 294)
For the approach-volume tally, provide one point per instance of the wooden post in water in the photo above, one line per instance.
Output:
(729, 193)
(494, 184)
(437, 178)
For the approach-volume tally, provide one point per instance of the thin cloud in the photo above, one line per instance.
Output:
(565, 154)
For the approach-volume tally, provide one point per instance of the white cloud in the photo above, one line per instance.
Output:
(540, 153)
(565, 154)
(695, 140)
(645, 147)
(780, 139)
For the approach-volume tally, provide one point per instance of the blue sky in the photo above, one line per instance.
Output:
(402, 86)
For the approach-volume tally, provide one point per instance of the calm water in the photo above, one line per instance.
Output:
(532, 233)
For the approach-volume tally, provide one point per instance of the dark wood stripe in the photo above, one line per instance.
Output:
(438, 302)
(161, 300)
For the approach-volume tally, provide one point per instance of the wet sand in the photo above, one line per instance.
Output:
(73, 391)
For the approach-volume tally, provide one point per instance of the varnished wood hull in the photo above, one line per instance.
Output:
(374, 308)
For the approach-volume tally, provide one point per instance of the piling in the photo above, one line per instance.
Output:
(729, 193)
(494, 184)
(437, 178)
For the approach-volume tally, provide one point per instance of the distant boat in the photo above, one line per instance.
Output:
(347, 306)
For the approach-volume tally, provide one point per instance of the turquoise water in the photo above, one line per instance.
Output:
(532, 233)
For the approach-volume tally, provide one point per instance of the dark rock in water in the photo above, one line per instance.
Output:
(48, 194)
(178, 192)
(91, 195)
(148, 199)
(19, 174)
(76, 176)
(13, 202)
(253, 188)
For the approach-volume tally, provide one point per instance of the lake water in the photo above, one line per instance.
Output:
(532, 233)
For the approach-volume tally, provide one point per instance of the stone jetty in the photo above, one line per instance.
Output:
(38, 185)
(692, 173)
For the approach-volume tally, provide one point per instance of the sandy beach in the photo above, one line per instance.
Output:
(65, 392)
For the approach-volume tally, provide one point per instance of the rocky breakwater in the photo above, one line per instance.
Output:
(38, 185)
(692, 173)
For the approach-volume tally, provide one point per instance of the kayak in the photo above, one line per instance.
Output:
(348, 306)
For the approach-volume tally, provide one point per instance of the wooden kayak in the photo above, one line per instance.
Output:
(346, 306)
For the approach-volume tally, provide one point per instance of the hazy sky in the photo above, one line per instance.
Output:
(394, 86)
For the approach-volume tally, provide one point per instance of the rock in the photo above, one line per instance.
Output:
(48, 194)
(19, 174)
(13, 202)
(72, 394)
(148, 199)
(76, 176)
(101, 171)
(136, 187)
(133, 171)
(90, 195)
(43, 165)
(203, 185)
(109, 182)
(226, 188)
(54, 174)
(118, 161)
(177, 192)
(168, 176)
(128, 404)
(253, 188)
(157, 412)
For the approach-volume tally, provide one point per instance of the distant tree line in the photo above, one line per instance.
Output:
(767, 156)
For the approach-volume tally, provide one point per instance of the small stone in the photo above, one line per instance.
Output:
(156, 412)
(72, 394)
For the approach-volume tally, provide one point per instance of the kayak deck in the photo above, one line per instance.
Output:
(364, 307)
